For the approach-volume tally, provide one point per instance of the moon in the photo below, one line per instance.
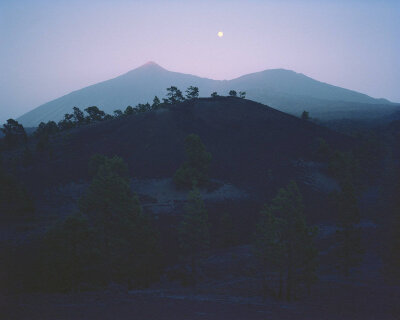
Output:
(220, 34)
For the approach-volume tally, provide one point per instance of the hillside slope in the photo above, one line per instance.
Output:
(251, 143)
(283, 89)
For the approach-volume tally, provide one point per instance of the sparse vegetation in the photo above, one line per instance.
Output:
(108, 239)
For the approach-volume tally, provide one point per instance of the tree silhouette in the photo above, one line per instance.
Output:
(305, 115)
(14, 133)
(349, 249)
(192, 93)
(284, 243)
(233, 93)
(118, 113)
(67, 122)
(194, 237)
(194, 171)
(129, 110)
(214, 94)
(15, 201)
(156, 103)
(124, 234)
(95, 114)
(174, 95)
(68, 254)
(78, 116)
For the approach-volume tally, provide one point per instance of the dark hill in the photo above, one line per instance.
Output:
(251, 143)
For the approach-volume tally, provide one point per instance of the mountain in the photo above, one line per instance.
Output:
(282, 89)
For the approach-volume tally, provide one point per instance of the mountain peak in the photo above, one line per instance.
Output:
(151, 64)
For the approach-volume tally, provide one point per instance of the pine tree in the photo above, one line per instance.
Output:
(156, 103)
(129, 110)
(268, 247)
(67, 122)
(305, 115)
(194, 237)
(392, 252)
(233, 93)
(118, 113)
(392, 256)
(174, 95)
(14, 133)
(349, 236)
(192, 93)
(284, 243)
(15, 201)
(124, 233)
(79, 117)
(214, 94)
(68, 254)
(94, 114)
(194, 170)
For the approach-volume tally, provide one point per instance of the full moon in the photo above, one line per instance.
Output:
(220, 34)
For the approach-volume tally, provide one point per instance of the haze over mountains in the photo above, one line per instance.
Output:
(282, 89)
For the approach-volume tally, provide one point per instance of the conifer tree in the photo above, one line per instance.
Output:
(194, 170)
(305, 115)
(174, 95)
(79, 117)
(68, 254)
(156, 103)
(194, 237)
(233, 93)
(284, 243)
(192, 93)
(214, 94)
(14, 133)
(15, 201)
(129, 110)
(94, 114)
(348, 234)
(118, 113)
(125, 235)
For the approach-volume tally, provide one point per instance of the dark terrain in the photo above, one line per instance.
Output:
(236, 132)
(255, 150)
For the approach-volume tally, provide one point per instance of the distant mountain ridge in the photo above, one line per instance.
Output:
(282, 89)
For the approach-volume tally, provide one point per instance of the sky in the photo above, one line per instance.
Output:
(49, 48)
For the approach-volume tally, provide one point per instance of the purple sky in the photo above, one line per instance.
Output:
(49, 48)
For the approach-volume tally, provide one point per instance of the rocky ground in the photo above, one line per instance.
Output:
(329, 300)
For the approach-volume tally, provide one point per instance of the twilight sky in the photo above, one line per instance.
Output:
(50, 48)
